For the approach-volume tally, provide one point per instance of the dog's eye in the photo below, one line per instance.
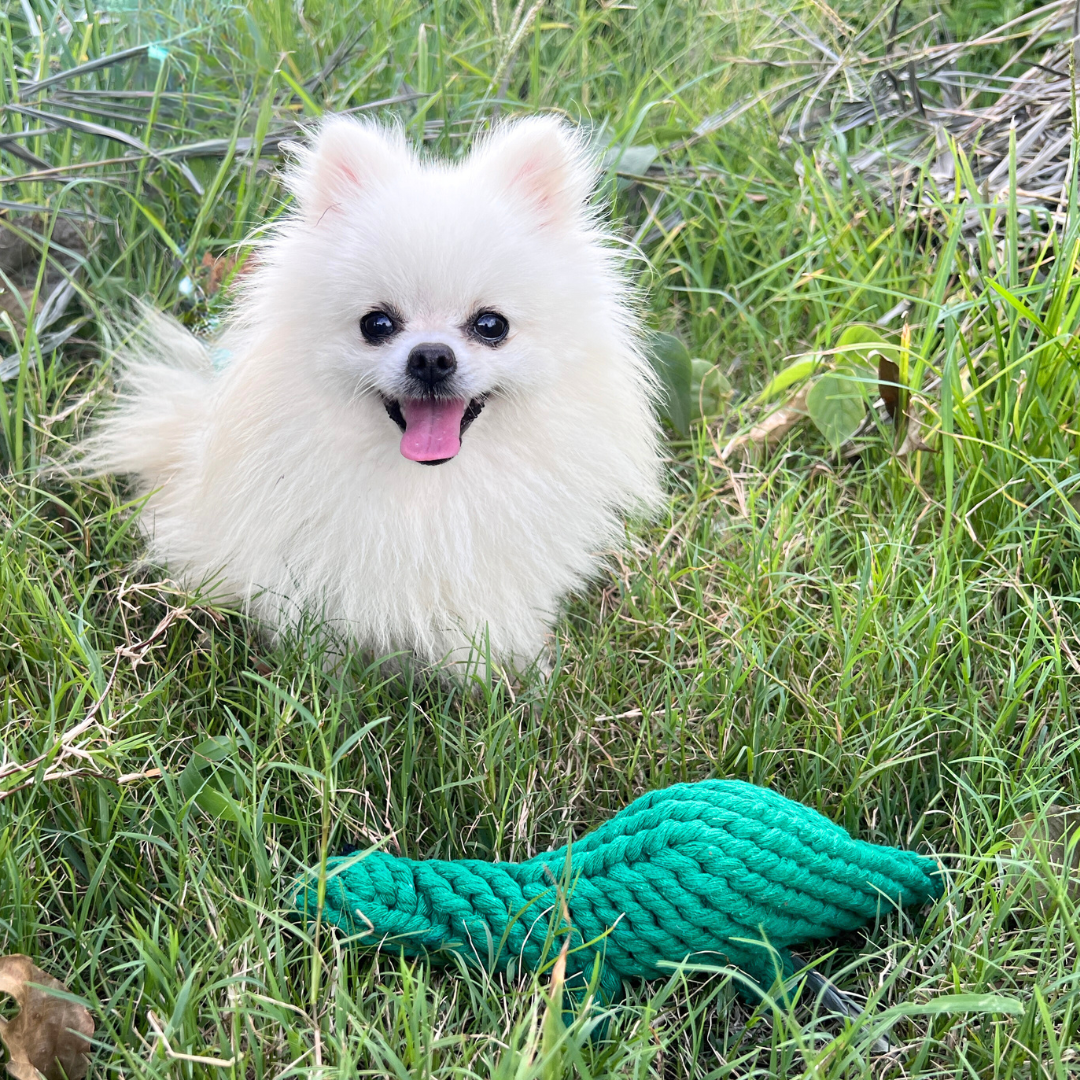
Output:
(490, 326)
(377, 326)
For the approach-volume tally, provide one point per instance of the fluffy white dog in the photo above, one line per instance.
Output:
(409, 313)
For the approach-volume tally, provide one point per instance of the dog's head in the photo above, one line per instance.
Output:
(442, 289)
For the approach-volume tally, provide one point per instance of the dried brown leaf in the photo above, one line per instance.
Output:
(50, 1037)
(213, 272)
(772, 428)
(888, 373)
(913, 440)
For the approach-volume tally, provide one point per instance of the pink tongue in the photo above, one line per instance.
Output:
(432, 429)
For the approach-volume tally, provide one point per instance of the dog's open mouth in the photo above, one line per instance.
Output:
(431, 428)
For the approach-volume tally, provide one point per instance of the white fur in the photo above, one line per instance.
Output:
(281, 478)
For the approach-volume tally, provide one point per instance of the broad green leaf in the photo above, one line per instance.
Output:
(633, 160)
(835, 404)
(215, 802)
(857, 334)
(948, 1004)
(709, 389)
(672, 363)
(793, 373)
(860, 346)
(206, 781)
(216, 748)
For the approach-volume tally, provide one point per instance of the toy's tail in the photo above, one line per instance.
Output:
(163, 390)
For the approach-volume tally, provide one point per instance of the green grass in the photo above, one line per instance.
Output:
(888, 639)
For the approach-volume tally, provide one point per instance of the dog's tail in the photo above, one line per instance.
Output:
(163, 391)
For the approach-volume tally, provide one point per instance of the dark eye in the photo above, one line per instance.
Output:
(377, 326)
(490, 326)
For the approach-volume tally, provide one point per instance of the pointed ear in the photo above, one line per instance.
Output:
(542, 162)
(345, 158)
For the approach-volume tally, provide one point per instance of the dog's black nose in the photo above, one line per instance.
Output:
(430, 364)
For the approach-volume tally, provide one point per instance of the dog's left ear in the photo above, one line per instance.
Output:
(542, 162)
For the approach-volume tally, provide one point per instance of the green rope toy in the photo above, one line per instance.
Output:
(716, 871)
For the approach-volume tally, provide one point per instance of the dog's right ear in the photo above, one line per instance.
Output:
(346, 158)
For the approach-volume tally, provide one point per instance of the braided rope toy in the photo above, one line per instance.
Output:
(719, 871)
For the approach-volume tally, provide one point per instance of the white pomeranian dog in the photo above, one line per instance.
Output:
(409, 313)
